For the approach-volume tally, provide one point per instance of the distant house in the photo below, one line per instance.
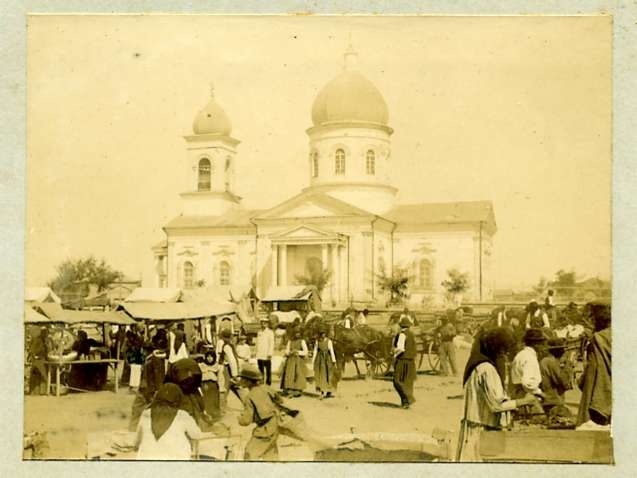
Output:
(119, 290)
(82, 294)
(40, 294)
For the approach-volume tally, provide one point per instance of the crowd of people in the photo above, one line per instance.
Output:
(506, 380)
(516, 371)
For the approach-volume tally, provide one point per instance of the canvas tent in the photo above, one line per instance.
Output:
(41, 294)
(57, 314)
(155, 294)
(172, 311)
(296, 297)
(33, 317)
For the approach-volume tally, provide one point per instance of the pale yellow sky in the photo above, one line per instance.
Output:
(516, 110)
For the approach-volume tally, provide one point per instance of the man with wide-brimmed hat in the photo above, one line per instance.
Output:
(405, 363)
(556, 374)
(525, 369)
(259, 408)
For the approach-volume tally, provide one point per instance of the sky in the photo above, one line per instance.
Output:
(516, 110)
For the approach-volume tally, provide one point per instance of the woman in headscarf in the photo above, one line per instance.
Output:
(596, 381)
(186, 373)
(294, 373)
(324, 364)
(164, 431)
(485, 402)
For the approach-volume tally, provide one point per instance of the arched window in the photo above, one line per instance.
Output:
(203, 183)
(189, 280)
(339, 163)
(425, 279)
(371, 162)
(315, 165)
(224, 273)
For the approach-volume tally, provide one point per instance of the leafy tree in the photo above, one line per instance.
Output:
(74, 275)
(316, 276)
(541, 286)
(396, 284)
(565, 283)
(456, 283)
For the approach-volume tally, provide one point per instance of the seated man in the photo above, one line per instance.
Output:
(556, 375)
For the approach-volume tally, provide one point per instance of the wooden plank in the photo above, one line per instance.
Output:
(547, 446)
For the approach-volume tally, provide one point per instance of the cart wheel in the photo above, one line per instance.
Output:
(432, 356)
(379, 368)
(422, 359)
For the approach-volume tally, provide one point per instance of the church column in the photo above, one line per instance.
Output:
(335, 273)
(324, 263)
(275, 264)
(284, 264)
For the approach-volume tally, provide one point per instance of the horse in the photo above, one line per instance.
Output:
(374, 344)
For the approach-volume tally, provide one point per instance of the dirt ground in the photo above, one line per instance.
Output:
(360, 406)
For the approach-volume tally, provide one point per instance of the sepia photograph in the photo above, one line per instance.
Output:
(295, 238)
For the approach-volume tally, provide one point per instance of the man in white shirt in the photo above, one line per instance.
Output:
(265, 350)
(536, 318)
(525, 369)
(362, 317)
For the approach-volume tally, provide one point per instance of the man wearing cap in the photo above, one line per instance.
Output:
(556, 375)
(259, 408)
(404, 363)
(526, 376)
(265, 350)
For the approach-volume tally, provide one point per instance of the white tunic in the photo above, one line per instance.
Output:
(174, 444)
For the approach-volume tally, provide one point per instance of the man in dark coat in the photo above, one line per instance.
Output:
(405, 363)
(153, 375)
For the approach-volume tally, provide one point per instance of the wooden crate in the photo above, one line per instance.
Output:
(540, 445)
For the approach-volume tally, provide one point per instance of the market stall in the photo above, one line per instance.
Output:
(97, 358)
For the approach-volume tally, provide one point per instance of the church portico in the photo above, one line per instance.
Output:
(305, 252)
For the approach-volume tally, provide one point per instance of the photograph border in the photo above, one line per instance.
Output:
(13, 147)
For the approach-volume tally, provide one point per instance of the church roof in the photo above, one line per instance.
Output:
(323, 205)
(350, 97)
(443, 213)
(232, 218)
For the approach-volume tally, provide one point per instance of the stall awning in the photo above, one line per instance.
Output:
(57, 314)
(288, 293)
(154, 294)
(33, 317)
(177, 310)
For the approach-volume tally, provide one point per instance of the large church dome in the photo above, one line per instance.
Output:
(349, 97)
(212, 120)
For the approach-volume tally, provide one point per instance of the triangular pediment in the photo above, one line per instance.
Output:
(303, 232)
(309, 209)
(312, 204)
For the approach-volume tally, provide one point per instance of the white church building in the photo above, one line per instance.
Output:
(346, 220)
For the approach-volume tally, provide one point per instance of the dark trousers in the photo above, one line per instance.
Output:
(265, 367)
(404, 375)
(447, 354)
